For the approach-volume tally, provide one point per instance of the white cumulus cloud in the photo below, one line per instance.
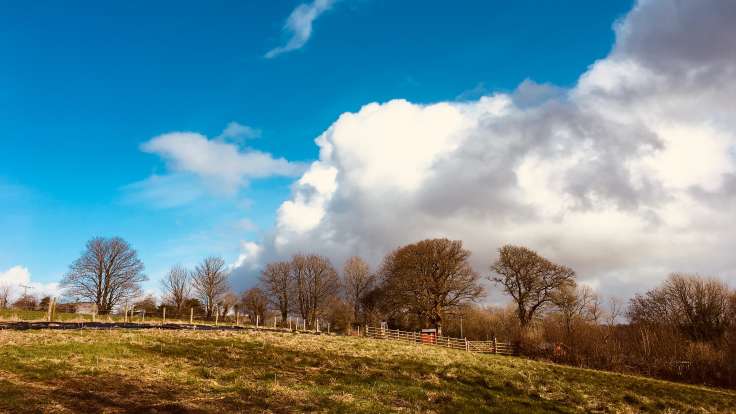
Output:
(627, 176)
(249, 256)
(19, 279)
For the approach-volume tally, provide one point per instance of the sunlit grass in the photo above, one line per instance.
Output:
(113, 371)
(22, 315)
(13, 315)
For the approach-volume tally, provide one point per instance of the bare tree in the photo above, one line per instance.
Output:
(595, 309)
(575, 303)
(108, 273)
(228, 302)
(255, 303)
(297, 270)
(277, 284)
(177, 287)
(357, 280)
(430, 278)
(697, 306)
(615, 311)
(529, 279)
(6, 291)
(373, 303)
(316, 283)
(210, 282)
(147, 304)
(26, 302)
(43, 304)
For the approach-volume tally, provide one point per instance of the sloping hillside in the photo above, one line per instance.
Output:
(190, 371)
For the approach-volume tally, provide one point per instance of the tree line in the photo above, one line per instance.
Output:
(683, 329)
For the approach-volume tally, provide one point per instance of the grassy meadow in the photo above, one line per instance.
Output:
(12, 315)
(18, 315)
(189, 371)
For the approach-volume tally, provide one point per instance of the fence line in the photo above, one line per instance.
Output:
(485, 347)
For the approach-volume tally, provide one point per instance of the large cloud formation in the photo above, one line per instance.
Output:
(629, 175)
(18, 278)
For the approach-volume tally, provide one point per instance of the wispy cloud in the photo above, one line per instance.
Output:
(165, 191)
(237, 133)
(221, 162)
(197, 166)
(299, 24)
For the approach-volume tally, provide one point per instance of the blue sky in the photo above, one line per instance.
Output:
(84, 84)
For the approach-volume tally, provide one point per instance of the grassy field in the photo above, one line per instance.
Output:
(190, 371)
(34, 315)
(15, 315)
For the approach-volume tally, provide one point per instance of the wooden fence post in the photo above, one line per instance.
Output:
(48, 315)
(237, 317)
(467, 348)
(258, 320)
(495, 350)
(191, 316)
(144, 315)
(163, 320)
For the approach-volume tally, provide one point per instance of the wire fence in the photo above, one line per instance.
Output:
(139, 319)
(188, 316)
(485, 347)
(132, 318)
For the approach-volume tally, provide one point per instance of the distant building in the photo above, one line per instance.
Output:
(82, 308)
(429, 336)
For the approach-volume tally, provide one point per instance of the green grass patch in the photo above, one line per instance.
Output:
(190, 371)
